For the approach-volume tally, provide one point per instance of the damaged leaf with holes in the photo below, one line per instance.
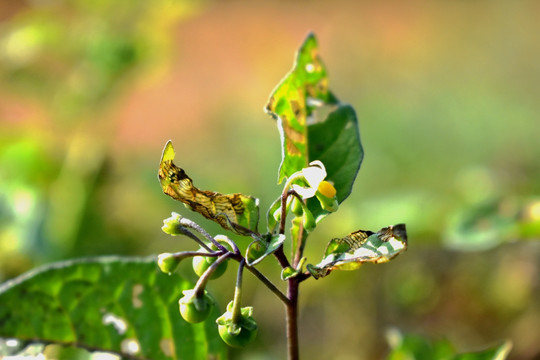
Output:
(303, 89)
(106, 304)
(314, 125)
(360, 247)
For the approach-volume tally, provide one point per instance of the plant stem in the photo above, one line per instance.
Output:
(189, 234)
(300, 243)
(197, 227)
(237, 304)
(269, 284)
(187, 254)
(291, 305)
(292, 319)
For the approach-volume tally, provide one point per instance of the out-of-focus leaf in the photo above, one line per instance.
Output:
(361, 247)
(292, 102)
(419, 348)
(493, 222)
(119, 305)
(259, 249)
(529, 221)
(495, 353)
(236, 212)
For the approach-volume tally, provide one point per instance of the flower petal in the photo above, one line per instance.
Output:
(315, 173)
(304, 192)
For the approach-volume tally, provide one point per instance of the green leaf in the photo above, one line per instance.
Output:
(303, 89)
(259, 249)
(336, 142)
(290, 272)
(360, 247)
(108, 304)
(418, 347)
(315, 126)
(271, 220)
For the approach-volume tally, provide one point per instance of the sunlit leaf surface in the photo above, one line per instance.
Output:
(314, 125)
(361, 247)
(292, 102)
(124, 306)
(236, 212)
(336, 142)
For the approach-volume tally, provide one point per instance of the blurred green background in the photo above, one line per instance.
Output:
(446, 93)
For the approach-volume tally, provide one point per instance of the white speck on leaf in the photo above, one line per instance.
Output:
(119, 324)
(130, 346)
(166, 345)
(137, 290)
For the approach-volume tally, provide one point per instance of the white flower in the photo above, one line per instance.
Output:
(313, 175)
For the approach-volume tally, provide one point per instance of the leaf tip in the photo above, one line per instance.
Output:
(168, 152)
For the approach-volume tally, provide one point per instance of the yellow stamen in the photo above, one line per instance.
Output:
(327, 189)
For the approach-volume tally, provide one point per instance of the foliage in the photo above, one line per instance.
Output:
(120, 305)
(321, 155)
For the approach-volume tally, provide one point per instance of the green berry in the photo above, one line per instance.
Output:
(195, 309)
(202, 263)
(240, 331)
(244, 337)
(167, 262)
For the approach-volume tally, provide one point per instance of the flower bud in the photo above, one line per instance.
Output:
(167, 262)
(172, 224)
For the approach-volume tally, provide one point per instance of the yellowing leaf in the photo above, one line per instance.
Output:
(360, 247)
(303, 89)
(236, 212)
